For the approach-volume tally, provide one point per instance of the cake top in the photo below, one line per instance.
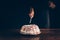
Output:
(30, 29)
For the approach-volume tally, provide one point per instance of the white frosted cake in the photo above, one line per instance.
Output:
(31, 29)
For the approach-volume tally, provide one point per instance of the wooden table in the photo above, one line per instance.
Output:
(47, 34)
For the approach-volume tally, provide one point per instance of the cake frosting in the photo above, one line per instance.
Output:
(31, 29)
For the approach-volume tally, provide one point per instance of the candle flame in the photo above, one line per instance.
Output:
(31, 14)
(52, 5)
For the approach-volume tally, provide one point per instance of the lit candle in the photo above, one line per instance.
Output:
(52, 5)
(31, 14)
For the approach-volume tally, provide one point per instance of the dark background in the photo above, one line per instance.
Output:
(14, 13)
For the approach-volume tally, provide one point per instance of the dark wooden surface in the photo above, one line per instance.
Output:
(47, 34)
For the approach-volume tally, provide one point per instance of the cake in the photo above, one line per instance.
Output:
(31, 29)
